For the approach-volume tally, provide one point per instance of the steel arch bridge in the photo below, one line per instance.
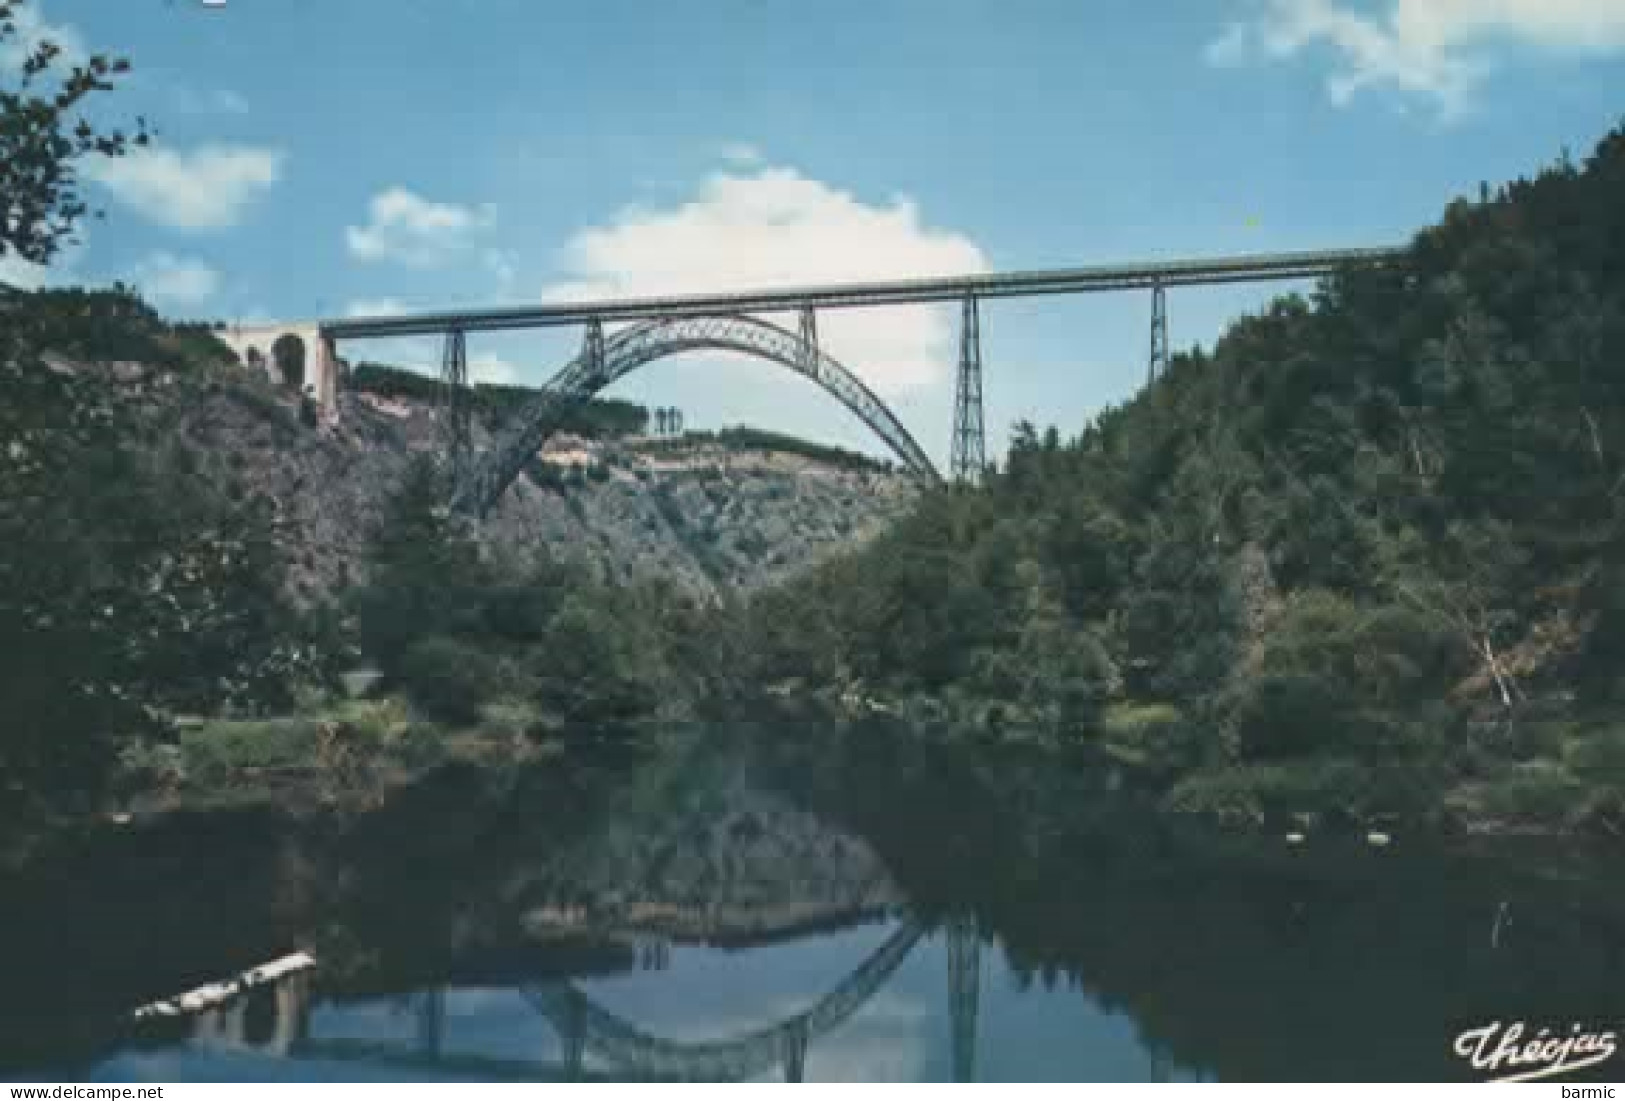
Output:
(586, 1026)
(669, 324)
(479, 485)
(625, 1050)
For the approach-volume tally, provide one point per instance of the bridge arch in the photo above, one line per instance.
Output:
(606, 360)
(586, 1026)
(288, 356)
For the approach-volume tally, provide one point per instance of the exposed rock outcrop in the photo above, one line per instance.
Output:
(708, 519)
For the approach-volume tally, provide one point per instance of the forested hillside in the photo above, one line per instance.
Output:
(1368, 554)
(181, 540)
(130, 584)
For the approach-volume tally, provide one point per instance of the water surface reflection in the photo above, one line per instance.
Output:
(830, 906)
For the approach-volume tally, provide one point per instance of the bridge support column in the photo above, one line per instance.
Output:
(809, 341)
(292, 1013)
(575, 1037)
(795, 1050)
(431, 1023)
(592, 348)
(964, 993)
(1158, 1065)
(327, 375)
(968, 462)
(233, 1021)
(1159, 333)
(207, 1026)
(456, 406)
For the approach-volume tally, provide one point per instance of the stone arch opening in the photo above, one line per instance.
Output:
(288, 353)
(259, 1015)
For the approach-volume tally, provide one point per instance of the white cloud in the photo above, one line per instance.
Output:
(741, 154)
(1437, 49)
(32, 29)
(63, 270)
(255, 316)
(415, 231)
(207, 188)
(503, 266)
(212, 101)
(492, 369)
(169, 280)
(775, 227)
(376, 307)
(19, 273)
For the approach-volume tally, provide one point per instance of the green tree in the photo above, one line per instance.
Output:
(45, 134)
(426, 575)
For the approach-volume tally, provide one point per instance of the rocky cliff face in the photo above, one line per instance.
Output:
(707, 519)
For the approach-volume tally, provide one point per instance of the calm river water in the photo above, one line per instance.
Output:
(754, 904)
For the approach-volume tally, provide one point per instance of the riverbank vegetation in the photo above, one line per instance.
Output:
(1365, 557)
(472, 639)
(1363, 560)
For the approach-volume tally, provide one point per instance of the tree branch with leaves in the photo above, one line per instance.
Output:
(45, 134)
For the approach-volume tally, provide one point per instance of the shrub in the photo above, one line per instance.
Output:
(144, 765)
(215, 749)
(1538, 791)
(448, 678)
(509, 718)
(380, 723)
(1338, 677)
(1598, 756)
(1255, 793)
(1157, 737)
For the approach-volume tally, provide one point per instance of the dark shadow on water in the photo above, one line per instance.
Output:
(706, 889)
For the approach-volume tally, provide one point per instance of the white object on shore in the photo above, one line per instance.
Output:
(213, 994)
(1377, 839)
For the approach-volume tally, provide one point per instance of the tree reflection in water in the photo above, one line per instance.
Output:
(717, 865)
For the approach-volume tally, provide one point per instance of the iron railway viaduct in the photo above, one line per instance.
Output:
(655, 328)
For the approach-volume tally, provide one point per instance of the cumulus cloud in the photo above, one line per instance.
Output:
(210, 187)
(1436, 49)
(169, 280)
(418, 232)
(776, 227)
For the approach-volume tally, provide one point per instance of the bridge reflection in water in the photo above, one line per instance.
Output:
(621, 1050)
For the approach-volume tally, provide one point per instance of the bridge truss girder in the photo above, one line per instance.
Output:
(964, 993)
(456, 406)
(605, 360)
(1159, 333)
(968, 459)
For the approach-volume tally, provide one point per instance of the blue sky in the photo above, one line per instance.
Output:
(321, 157)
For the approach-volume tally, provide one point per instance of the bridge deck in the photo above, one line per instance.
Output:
(1167, 273)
